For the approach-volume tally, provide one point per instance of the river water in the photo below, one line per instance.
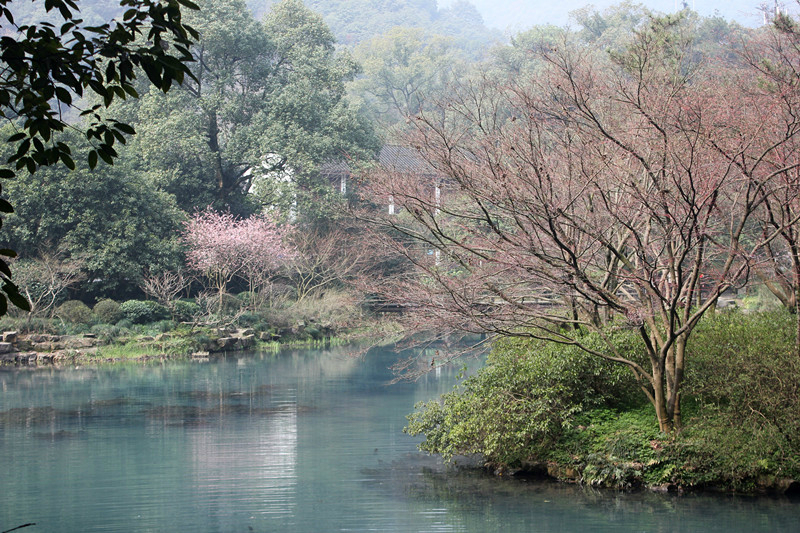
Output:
(299, 441)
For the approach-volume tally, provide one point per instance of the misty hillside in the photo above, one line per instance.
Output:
(473, 24)
(516, 15)
(354, 21)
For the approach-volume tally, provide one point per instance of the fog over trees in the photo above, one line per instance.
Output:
(517, 15)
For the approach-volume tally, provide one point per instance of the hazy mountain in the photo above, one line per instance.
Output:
(355, 21)
(515, 15)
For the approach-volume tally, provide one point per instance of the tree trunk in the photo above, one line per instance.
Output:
(676, 381)
(665, 422)
(796, 261)
(213, 145)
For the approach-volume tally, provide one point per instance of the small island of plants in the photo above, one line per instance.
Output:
(541, 408)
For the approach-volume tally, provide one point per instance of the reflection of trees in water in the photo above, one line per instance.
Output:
(36, 417)
(263, 458)
(60, 402)
(20, 417)
(232, 435)
(479, 497)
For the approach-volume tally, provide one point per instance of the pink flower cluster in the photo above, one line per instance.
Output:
(222, 246)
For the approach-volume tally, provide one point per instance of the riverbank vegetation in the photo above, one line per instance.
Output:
(538, 407)
(626, 187)
(144, 328)
(597, 203)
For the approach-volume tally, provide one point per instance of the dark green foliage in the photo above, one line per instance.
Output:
(74, 312)
(124, 324)
(263, 325)
(517, 407)
(108, 311)
(201, 341)
(107, 332)
(144, 311)
(28, 324)
(268, 105)
(161, 326)
(249, 319)
(185, 311)
(615, 448)
(110, 220)
(44, 68)
(745, 384)
(740, 409)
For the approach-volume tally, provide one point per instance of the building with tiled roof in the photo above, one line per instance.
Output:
(392, 157)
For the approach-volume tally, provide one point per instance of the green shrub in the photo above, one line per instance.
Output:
(202, 341)
(74, 312)
(162, 326)
(144, 311)
(230, 303)
(535, 402)
(185, 311)
(743, 382)
(108, 311)
(246, 297)
(248, 320)
(28, 324)
(74, 328)
(106, 332)
(519, 404)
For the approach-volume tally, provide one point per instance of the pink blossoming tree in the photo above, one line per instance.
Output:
(221, 247)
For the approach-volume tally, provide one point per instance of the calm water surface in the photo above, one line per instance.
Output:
(301, 441)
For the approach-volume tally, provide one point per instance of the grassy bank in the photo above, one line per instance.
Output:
(144, 330)
(553, 409)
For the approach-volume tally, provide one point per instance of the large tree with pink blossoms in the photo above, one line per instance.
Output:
(221, 247)
(606, 193)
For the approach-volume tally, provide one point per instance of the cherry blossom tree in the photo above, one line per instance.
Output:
(607, 192)
(772, 61)
(221, 247)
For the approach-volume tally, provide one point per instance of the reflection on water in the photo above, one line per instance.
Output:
(302, 441)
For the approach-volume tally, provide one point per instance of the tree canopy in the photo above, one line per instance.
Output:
(47, 67)
(109, 218)
(402, 69)
(265, 98)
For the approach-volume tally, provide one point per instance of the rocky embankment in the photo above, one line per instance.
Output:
(40, 348)
(35, 349)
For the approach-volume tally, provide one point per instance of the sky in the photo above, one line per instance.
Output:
(516, 15)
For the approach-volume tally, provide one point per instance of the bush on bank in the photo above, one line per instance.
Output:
(519, 406)
(108, 311)
(536, 405)
(317, 319)
(745, 383)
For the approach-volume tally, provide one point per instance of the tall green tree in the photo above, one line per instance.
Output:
(402, 69)
(46, 67)
(266, 98)
(110, 219)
